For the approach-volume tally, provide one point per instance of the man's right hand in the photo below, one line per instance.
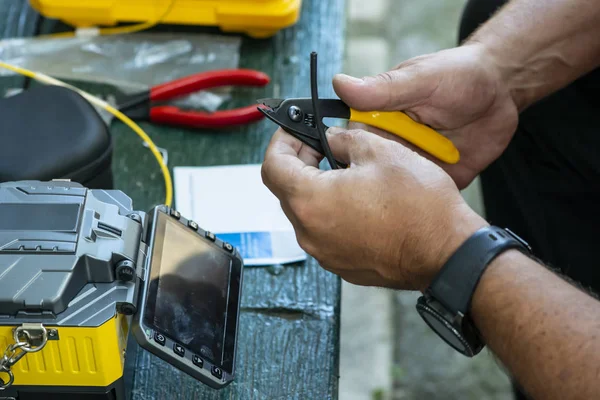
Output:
(458, 92)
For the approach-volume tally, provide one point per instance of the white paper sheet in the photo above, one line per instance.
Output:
(232, 202)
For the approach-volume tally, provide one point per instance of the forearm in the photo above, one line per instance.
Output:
(545, 331)
(541, 46)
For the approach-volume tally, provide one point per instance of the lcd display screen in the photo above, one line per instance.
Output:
(190, 292)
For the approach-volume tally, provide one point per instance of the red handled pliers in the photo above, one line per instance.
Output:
(139, 106)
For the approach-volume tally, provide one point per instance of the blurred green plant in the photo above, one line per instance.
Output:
(378, 394)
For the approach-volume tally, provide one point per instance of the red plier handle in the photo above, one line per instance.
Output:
(220, 119)
(208, 80)
(203, 81)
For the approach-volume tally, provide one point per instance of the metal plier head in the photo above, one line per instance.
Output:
(297, 117)
(303, 118)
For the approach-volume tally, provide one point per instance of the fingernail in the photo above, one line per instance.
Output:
(349, 79)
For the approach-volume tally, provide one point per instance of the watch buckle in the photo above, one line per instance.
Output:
(458, 319)
(518, 239)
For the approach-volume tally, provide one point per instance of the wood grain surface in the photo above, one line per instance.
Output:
(289, 326)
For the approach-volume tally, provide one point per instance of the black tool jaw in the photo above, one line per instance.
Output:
(304, 127)
(303, 117)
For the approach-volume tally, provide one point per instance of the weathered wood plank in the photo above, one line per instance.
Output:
(289, 338)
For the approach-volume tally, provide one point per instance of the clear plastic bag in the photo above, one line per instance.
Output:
(131, 62)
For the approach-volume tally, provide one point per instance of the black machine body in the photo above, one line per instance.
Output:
(189, 305)
(86, 267)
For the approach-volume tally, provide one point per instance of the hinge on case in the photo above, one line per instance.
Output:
(141, 261)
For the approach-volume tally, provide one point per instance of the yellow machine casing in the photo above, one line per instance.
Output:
(256, 18)
(82, 356)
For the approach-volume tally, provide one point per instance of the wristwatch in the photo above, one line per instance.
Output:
(445, 304)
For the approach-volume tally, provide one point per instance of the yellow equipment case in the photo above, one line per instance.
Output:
(256, 18)
(59, 288)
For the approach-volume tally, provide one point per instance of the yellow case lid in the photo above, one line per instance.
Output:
(256, 18)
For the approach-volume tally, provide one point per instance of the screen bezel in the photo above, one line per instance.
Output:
(160, 220)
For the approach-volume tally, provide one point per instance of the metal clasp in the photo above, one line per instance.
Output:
(29, 338)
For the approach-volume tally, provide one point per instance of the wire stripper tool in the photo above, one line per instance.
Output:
(303, 119)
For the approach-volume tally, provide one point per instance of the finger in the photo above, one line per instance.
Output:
(304, 152)
(310, 156)
(353, 146)
(395, 138)
(398, 89)
(283, 172)
(379, 132)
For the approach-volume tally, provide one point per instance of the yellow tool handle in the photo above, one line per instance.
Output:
(401, 125)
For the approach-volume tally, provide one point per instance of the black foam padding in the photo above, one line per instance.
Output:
(51, 132)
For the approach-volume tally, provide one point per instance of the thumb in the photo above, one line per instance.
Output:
(395, 90)
(353, 146)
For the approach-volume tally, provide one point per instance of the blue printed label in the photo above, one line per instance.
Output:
(251, 245)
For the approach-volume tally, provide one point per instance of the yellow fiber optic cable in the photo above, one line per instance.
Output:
(118, 114)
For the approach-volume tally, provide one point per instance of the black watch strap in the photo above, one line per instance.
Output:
(455, 284)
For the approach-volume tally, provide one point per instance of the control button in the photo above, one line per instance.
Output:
(198, 362)
(210, 236)
(159, 338)
(193, 225)
(217, 372)
(179, 350)
(228, 247)
(175, 214)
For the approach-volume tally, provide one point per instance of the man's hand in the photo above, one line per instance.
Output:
(392, 219)
(458, 92)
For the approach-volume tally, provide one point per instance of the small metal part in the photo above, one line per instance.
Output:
(29, 338)
(125, 271)
(309, 120)
(135, 217)
(175, 214)
(295, 113)
(52, 334)
(127, 309)
(271, 103)
(33, 335)
(11, 378)
(210, 236)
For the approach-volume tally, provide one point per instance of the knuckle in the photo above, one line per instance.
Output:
(371, 151)
(364, 142)
(354, 134)
(386, 77)
(350, 137)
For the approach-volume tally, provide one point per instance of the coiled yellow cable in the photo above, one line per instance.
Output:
(118, 114)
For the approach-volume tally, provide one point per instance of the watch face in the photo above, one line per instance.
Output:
(446, 332)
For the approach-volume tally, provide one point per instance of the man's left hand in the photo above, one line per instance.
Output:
(392, 219)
